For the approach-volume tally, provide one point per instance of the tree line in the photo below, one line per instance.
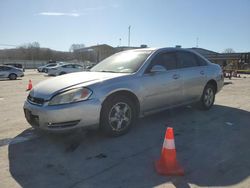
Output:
(33, 51)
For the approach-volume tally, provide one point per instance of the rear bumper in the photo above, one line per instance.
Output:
(220, 83)
(21, 75)
(62, 118)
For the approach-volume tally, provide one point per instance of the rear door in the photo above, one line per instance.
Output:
(67, 68)
(77, 68)
(162, 89)
(193, 75)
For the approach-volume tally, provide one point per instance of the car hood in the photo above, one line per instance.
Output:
(46, 89)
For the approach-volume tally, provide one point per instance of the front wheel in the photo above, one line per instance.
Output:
(207, 98)
(118, 115)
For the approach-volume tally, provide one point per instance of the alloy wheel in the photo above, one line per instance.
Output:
(120, 116)
(209, 97)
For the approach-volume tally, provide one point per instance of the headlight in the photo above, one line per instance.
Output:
(70, 96)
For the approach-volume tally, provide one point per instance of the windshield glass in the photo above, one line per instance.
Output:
(123, 62)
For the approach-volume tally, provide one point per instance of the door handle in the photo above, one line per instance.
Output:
(176, 76)
(202, 72)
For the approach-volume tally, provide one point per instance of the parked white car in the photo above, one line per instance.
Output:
(64, 69)
(45, 68)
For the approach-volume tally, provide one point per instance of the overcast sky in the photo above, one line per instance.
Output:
(57, 24)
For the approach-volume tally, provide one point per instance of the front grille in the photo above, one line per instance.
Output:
(35, 100)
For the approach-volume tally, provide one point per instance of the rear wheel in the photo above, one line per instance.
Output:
(118, 115)
(208, 96)
(12, 76)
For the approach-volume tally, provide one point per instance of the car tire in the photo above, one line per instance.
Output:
(62, 73)
(208, 97)
(117, 116)
(12, 76)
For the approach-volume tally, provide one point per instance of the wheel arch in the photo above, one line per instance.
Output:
(214, 83)
(125, 93)
(12, 74)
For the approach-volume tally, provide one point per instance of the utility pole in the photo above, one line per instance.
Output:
(129, 35)
(120, 41)
(197, 42)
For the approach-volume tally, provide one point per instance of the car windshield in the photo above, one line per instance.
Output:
(123, 62)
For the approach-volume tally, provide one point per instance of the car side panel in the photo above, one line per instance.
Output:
(194, 81)
(161, 89)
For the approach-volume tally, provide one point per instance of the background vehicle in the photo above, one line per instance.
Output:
(123, 87)
(64, 69)
(10, 72)
(45, 68)
(17, 65)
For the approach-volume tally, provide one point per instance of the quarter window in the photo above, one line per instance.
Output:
(201, 61)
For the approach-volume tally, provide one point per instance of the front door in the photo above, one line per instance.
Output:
(162, 88)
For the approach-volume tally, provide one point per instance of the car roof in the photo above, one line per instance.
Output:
(166, 49)
(7, 66)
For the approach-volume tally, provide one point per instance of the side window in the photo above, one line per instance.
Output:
(6, 68)
(67, 66)
(187, 59)
(1, 68)
(167, 60)
(51, 65)
(78, 66)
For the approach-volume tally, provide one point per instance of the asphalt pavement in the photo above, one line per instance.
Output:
(212, 146)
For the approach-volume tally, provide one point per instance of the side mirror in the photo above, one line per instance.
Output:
(157, 68)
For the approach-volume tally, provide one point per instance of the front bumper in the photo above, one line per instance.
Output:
(63, 117)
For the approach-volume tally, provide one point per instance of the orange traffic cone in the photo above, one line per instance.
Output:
(29, 86)
(168, 164)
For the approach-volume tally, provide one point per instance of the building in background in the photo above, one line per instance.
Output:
(97, 53)
(238, 61)
(89, 56)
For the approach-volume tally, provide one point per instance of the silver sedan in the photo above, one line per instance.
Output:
(123, 87)
(10, 72)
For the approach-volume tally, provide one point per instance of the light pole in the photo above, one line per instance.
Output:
(197, 42)
(120, 42)
(129, 35)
